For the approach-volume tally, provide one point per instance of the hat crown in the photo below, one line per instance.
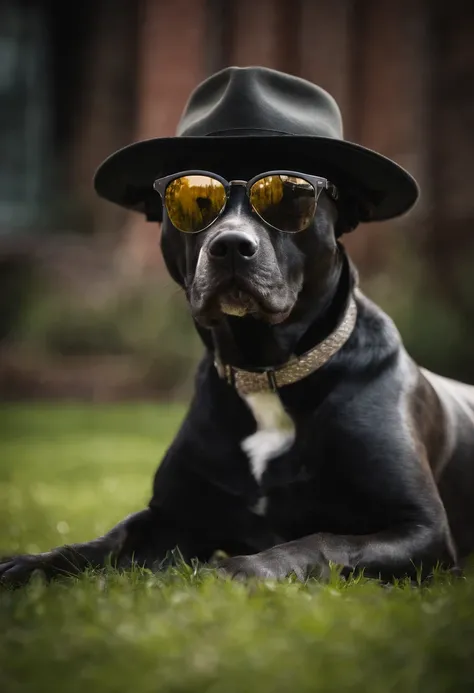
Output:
(249, 100)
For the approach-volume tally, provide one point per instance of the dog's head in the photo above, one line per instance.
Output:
(240, 266)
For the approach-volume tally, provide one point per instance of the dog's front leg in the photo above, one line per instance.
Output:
(389, 554)
(143, 538)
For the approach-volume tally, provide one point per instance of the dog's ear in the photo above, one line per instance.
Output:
(355, 207)
(153, 207)
(173, 251)
(348, 216)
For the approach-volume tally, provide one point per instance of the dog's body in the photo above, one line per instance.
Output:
(368, 462)
(377, 439)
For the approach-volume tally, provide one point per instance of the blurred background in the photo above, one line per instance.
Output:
(87, 310)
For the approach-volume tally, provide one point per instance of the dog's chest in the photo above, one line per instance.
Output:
(275, 432)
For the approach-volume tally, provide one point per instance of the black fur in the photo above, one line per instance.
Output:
(381, 474)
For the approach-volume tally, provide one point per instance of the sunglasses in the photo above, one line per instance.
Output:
(285, 200)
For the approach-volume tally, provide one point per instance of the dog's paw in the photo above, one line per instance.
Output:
(273, 564)
(17, 570)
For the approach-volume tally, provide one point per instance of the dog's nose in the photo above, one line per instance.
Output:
(233, 244)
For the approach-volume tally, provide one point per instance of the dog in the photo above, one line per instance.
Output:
(312, 437)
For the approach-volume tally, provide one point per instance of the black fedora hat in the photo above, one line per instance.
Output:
(250, 113)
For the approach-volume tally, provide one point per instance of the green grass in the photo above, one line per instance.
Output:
(69, 472)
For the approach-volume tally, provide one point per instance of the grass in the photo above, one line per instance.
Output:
(69, 472)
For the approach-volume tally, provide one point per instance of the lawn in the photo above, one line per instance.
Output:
(68, 472)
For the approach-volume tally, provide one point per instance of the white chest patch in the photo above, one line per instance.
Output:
(275, 432)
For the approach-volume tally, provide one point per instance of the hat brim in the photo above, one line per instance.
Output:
(126, 177)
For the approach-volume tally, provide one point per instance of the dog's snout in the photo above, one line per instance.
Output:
(233, 244)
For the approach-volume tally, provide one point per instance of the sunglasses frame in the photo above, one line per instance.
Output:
(317, 182)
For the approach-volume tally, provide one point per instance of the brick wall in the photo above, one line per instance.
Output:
(170, 62)
(377, 57)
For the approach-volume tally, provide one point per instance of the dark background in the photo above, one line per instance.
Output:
(86, 308)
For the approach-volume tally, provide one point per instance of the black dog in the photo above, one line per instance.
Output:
(363, 460)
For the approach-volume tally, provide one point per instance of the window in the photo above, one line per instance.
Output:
(24, 113)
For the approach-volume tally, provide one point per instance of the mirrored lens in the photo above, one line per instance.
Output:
(286, 202)
(194, 202)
